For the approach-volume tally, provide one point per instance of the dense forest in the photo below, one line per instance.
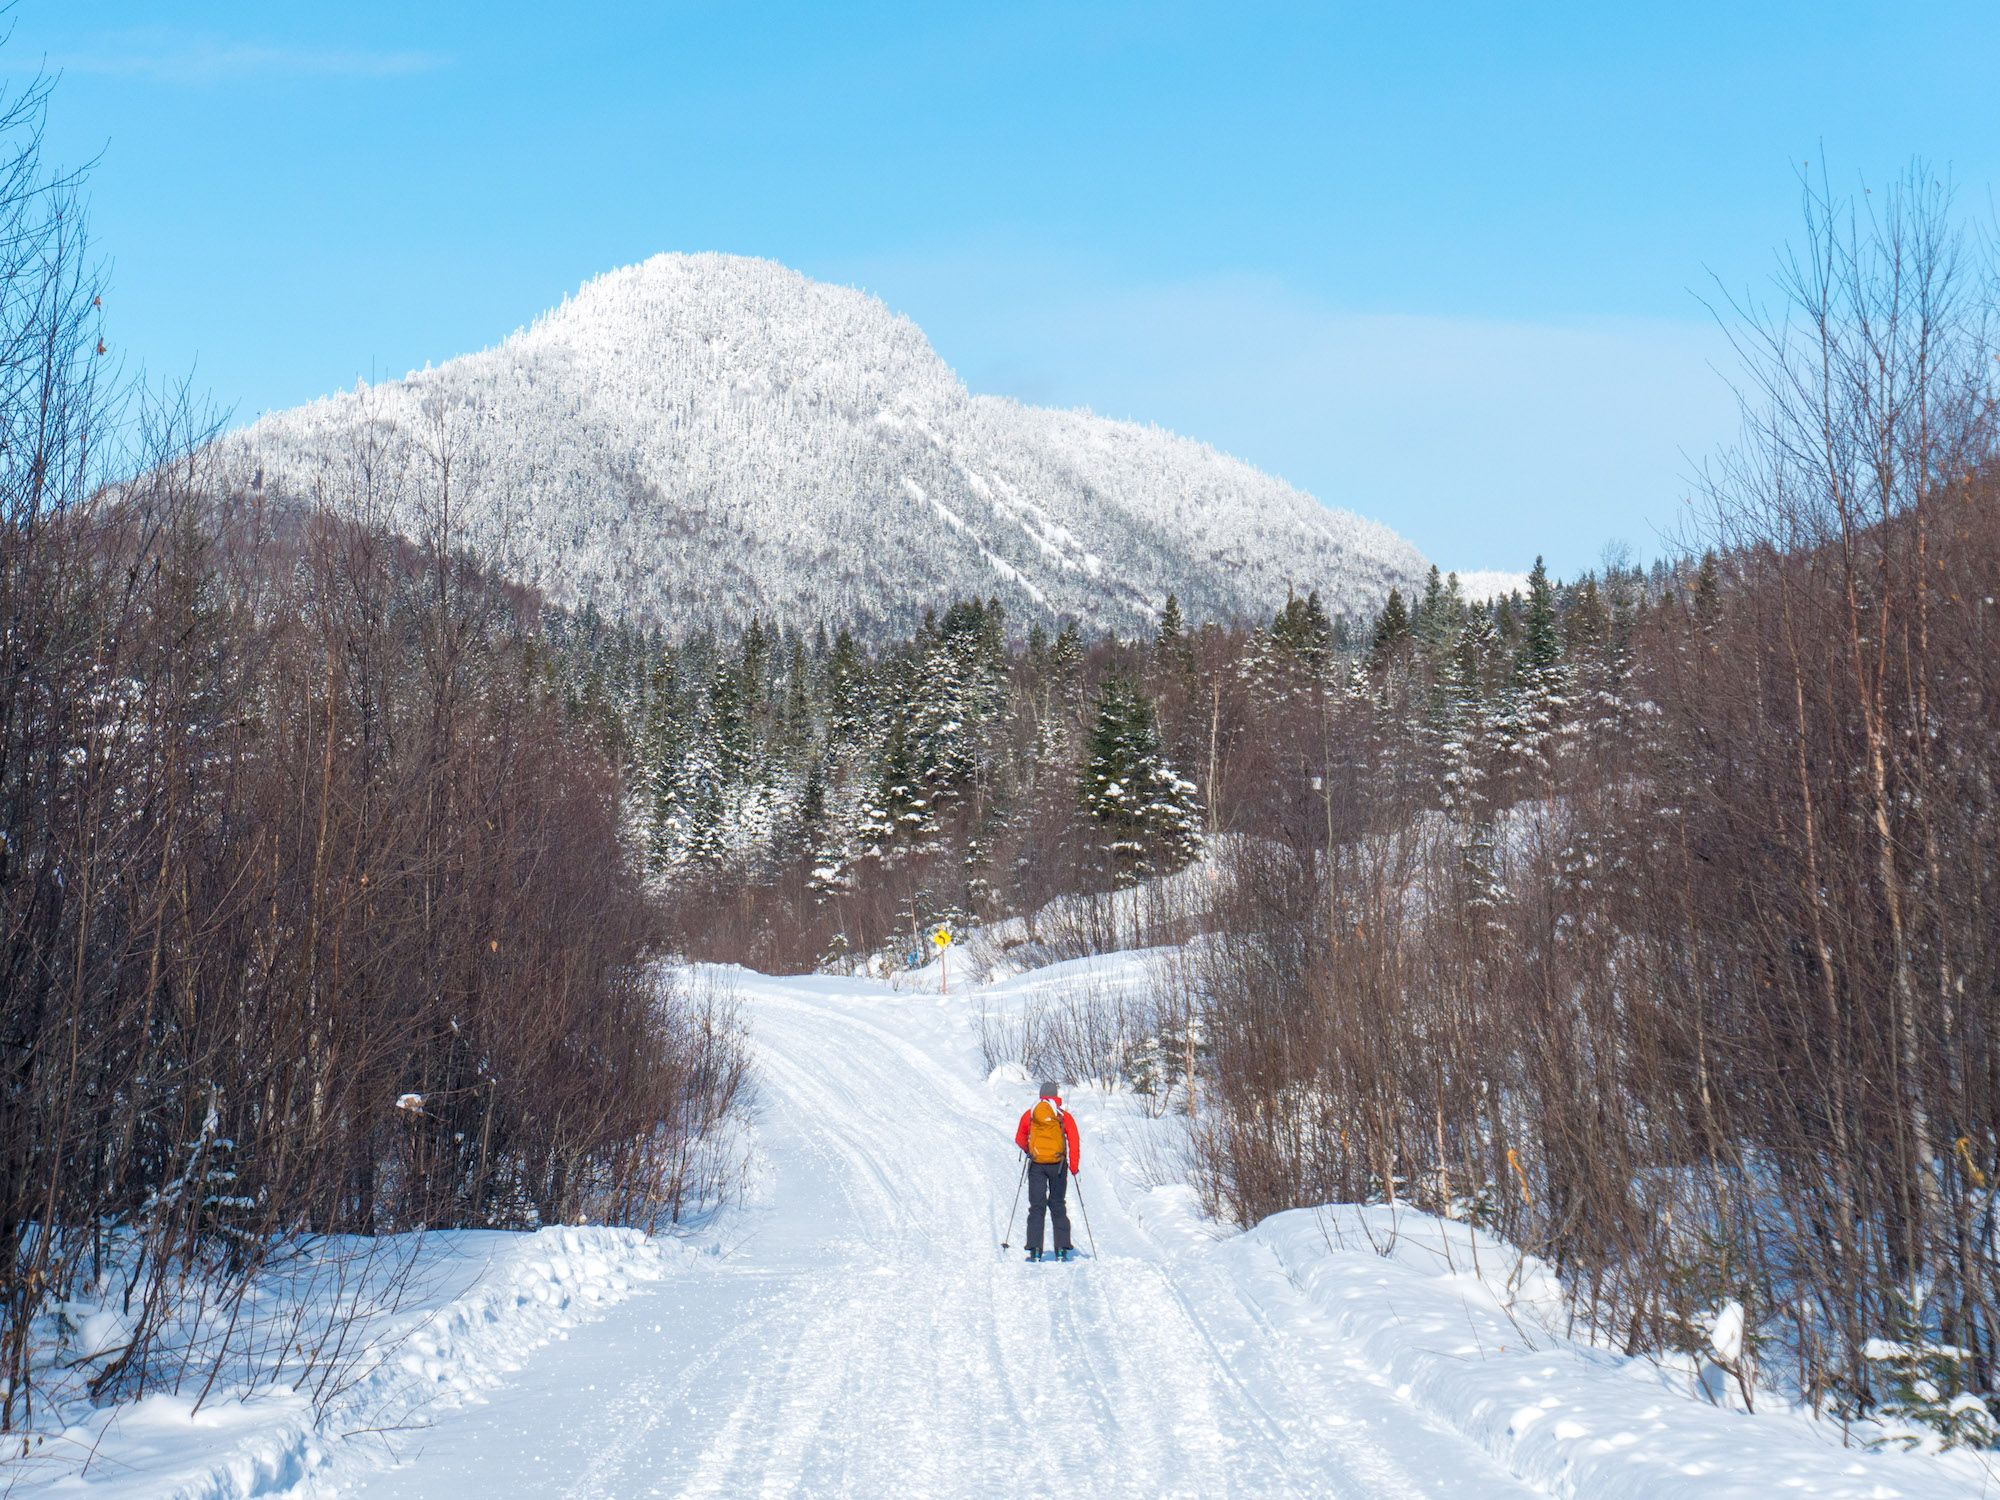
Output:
(800, 800)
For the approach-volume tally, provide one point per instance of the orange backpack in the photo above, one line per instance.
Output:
(1045, 1132)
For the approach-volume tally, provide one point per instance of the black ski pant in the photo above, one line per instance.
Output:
(1048, 1186)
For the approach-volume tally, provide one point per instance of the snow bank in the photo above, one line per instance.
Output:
(479, 1303)
(1467, 1328)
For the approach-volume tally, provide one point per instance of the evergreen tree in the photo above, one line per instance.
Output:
(698, 796)
(1469, 745)
(1539, 700)
(1708, 591)
(1066, 656)
(660, 748)
(819, 832)
(847, 692)
(1586, 626)
(727, 726)
(1432, 620)
(956, 694)
(1541, 644)
(756, 663)
(1391, 630)
(1303, 628)
(1147, 815)
(1066, 666)
(897, 815)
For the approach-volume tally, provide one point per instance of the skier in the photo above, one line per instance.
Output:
(1048, 1135)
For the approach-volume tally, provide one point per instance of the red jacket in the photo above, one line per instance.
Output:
(1069, 1130)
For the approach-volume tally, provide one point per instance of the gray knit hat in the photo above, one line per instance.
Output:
(1051, 1090)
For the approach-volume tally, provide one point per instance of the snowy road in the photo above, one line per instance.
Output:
(866, 1337)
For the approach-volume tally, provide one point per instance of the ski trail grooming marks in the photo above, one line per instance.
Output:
(1114, 1354)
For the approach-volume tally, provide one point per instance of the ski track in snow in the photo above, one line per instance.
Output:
(868, 1336)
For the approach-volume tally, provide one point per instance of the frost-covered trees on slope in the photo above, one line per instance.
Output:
(712, 438)
(827, 783)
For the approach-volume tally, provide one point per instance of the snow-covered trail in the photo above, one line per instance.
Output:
(867, 1336)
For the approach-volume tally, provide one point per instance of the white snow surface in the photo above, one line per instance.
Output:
(705, 437)
(855, 1329)
(467, 1311)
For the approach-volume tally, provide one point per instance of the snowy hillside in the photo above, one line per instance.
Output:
(712, 436)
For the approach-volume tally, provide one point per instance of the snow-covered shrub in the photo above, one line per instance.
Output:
(1922, 1397)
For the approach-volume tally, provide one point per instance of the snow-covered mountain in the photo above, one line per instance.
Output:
(711, 437)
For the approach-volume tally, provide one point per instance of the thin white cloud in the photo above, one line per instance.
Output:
(166, 58)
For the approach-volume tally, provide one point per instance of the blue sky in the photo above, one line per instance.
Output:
(1439, 264)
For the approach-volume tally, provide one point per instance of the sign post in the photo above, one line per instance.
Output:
(941, 940)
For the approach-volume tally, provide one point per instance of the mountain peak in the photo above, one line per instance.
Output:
(708, 278)
(727, 292)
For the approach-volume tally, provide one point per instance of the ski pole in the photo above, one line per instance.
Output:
(1018, 1185)
(1086, 1216)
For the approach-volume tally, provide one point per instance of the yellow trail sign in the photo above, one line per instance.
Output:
(942, 938)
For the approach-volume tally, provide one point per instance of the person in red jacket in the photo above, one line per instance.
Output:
(1048, 1135)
